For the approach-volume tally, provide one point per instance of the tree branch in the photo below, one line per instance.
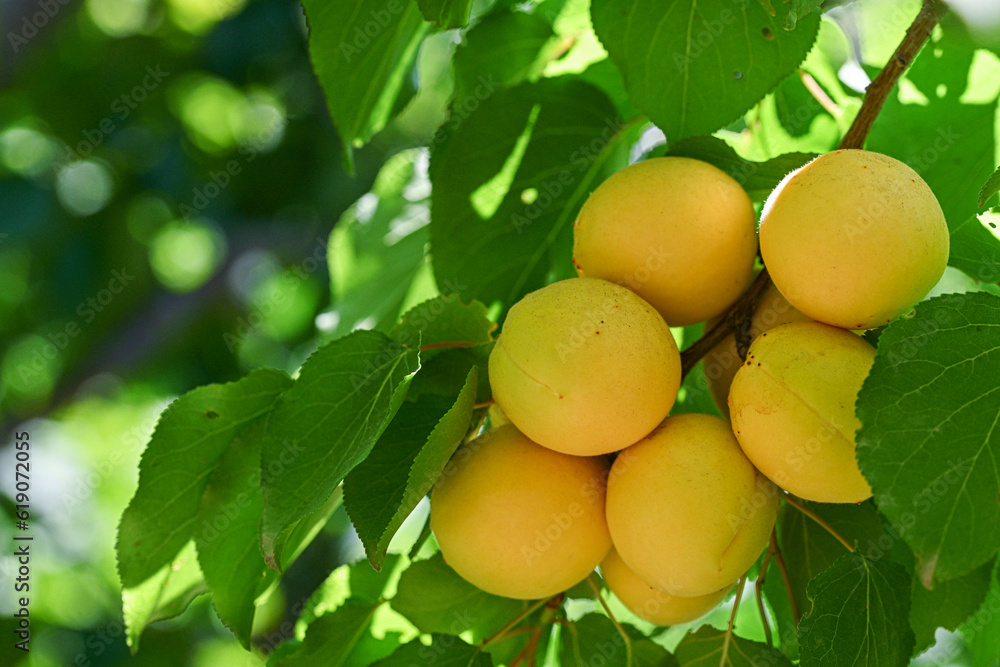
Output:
(878, 91)
(740, 314)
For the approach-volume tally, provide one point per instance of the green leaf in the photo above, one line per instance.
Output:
(404, 465)
(982, 631)
(975, 249)
(444, 651)
(695, 66)
(947, 605)
(361, 52)
(435, 599)
(704, 649)
(372, 264)
(164, 595)
(191, 436)
(544, 143)
(929, 442)
(807, 547)
(225, 533)
(797, 9)
(446, 13)
(333, 637)
(594, 637)
(357, 582)
(444, 321)
(990, 188)
(326, 424)
(445, 373)
(302, 534)
(509, 46)
(859, 615)
(757, 178)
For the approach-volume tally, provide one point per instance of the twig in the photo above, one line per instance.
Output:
(530, 609)
(732, 621)
(759, 592)
(425, 533)
(738, 319)
(618, 626)
(878, 90)
(819, 94)
(785, 579)
(741, 313)
(791, 500)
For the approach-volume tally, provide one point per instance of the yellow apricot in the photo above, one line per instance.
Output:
(519, 520)
(721, 364)
(651, 604)
(679, 232)
(854, 238)
(584, 367)
(688, 513)
(792, 406)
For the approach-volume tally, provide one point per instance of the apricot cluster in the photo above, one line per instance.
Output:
(583, 467)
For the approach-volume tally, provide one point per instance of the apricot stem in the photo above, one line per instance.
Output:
(520, 616)
(732, 620)
(740, 314)
(791, 500)
(785, 579)
(618, 626)
(759, 594)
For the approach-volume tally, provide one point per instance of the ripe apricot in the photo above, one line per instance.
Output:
(678, 231)
(854, 238)
(688, 513)
(792, 409)
(650, 603)
(584, 367)
(519, 520)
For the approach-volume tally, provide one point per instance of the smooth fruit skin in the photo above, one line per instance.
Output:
(854, 238)
(679, 232)
(519, 520)
(585, 367)
(722, 362)
(688, 513)
(651, 604)
(792, 408)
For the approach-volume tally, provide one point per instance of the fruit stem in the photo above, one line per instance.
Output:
(425, 533)
(785, 579)
(759, 594)
(791, 500)
(527, 611)
(618, 626)
(878, 91)
(732, 621)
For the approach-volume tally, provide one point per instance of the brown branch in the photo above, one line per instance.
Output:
(759, 593)
(878, 90)
(741, 313)
(732, 620)
(785, 579)
(738, 319)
